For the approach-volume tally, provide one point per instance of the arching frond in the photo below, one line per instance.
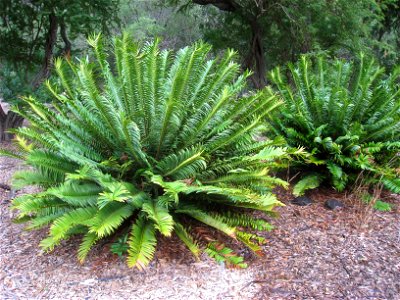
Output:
(109, 218)
(187, 239)
(163, 221)
(142, 243)
(88, 241)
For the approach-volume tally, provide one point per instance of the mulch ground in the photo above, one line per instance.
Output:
(313, 253)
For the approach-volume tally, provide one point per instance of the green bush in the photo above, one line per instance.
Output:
(347, 117)
(158, 143)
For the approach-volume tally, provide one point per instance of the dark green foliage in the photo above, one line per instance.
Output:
(346, 115)
(161, 139)
(387, 32)
(268, 33)
(24, 26)
(157, 19)
(32, 33)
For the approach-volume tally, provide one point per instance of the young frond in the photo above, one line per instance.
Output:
(142, 243)
(109, 218)
(160, 215)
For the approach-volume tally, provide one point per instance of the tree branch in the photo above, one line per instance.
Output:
(226, 5)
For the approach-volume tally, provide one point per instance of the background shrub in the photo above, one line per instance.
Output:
(346, 115)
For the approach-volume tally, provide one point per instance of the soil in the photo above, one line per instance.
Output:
(314, 253)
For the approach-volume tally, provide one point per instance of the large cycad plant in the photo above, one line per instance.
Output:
(346, 114)
(147, 139)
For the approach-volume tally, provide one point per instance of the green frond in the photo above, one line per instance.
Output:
(109, 218)
(244, 176)
(76, 193)
(61, 226)
(308, 182)
(244, 220)
(88, 241)
(34, 203)
(209, 220)
(184, 164)
(132, 135)
(392, 184)
(44, 219)
(236, 196)
(120, 246)
(12, 154)
(187, 239)
(172, 188)
(160, 215)
(142, 243)
(225, 255)
(339, 178)
(26, 178)
(115, 192)
(252, 241)
(55, 165)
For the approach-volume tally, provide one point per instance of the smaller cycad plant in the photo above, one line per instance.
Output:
(160, 141)
(346, 115)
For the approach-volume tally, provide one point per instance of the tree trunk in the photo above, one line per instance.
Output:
(255, 59)
(64, 36)
(7, 121)
(51, 40)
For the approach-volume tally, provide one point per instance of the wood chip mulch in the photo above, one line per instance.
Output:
(313, 253)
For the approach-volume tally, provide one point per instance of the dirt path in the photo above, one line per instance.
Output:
(313, 254)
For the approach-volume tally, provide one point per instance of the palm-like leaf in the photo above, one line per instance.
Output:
(142, 243)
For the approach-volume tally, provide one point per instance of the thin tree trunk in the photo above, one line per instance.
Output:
(255, 59)
(64, 36)
(51, 40)
(7, 121)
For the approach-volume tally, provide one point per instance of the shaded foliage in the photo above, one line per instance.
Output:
(346, 115)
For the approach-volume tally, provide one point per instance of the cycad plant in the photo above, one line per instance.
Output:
(346, 115)
(149, 140)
